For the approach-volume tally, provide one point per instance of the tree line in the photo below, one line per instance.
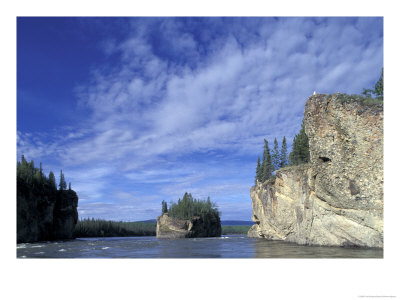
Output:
(91, 227)
(29, 175)
(377, 91)
(189, 207)
(103, 228)
(276, 158)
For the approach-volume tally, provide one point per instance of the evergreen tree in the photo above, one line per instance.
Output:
(367, 93)
(52, 181)
(258, 171)
(300, 150)
(283, 155)
(164, 207)
(275, 156)
(267, 163)
(62, 184)
(69, 186)
(37, 177)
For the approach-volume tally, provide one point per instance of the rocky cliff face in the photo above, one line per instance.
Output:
(168, 227)
(337, 199)
(51, 217)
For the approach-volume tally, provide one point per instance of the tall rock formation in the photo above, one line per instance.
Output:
(45, 217)
(337, 199)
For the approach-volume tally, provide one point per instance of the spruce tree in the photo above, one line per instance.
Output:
(164, 207)
(258, 171)
(37, 177)
(267, 163)
(300, 150)
(283, 155)
(69, 186)
(275, 156)
(62, 184)
(52, 181)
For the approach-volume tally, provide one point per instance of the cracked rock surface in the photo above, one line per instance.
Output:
(336, 199)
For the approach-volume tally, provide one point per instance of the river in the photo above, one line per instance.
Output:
(230, 246)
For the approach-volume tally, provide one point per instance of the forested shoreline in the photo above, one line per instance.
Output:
(106, 228)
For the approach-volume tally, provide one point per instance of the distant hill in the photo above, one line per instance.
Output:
(147, 221)
(233, 222)
(223, 223)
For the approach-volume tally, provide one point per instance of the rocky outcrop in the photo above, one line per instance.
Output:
(45, 217)
(168, 227)
(337, 199)
(65, 215)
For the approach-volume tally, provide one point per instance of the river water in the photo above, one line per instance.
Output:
(230, 246)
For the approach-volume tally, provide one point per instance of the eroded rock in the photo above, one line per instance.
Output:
(337, 199)
(168, 227)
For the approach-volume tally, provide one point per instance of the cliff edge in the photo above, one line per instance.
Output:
(43, 218)
(336, 199)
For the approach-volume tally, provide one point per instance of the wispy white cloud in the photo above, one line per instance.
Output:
(169, 99)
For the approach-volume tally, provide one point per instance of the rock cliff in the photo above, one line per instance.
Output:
(337, 199)
(168, 227)
(49, 217)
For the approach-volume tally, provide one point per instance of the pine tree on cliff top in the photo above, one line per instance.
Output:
(267, 163)
(63, 184)
(275, 156)
(283, 154)
(258, 171)
(164, 207)
(300, 150)
(52, 181)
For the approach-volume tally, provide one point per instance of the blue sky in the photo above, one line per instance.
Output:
(140, 110)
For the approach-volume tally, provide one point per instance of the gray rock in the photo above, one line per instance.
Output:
(168, 227)
(337, 199)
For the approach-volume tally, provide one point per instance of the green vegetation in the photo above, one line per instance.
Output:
(266, 165)
(275, 156)
(258, 171)
(52, 181)
(363, 100)
(235, 229)
(270, 163)
(207, 212)
(283, 155)
(164, 207)
(103, 228)
(300, 149)
(39, 203)
(190, 207)
(63, 184)
(377, 91)
(33, 178)
(366, 97)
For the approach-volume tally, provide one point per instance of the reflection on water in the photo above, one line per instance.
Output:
(150, 247)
